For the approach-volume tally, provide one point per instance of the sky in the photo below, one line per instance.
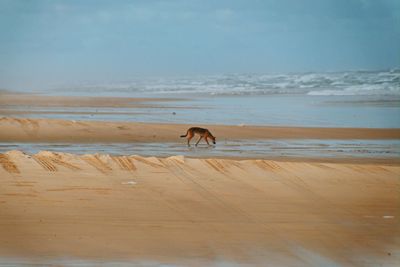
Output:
(47, 42)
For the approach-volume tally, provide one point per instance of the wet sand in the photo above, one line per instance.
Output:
(60, 208)
(321, 150)
(271, 110)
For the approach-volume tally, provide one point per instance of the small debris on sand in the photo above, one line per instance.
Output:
(129, 183)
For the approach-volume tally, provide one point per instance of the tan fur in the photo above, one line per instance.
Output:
(203, 133)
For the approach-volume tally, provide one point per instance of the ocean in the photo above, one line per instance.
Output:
(367, 99)
(350, 83)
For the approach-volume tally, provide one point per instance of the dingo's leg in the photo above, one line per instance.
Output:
(189, 138)
(207, 141)
(199, 140)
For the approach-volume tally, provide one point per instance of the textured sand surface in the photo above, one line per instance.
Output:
(58, 207)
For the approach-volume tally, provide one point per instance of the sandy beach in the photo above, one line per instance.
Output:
(69, 209)
(199, 133)
(97, 209)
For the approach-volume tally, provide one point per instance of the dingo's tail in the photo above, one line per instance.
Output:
(185, 134)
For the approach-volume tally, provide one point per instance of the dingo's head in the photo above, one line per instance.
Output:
(213, 139)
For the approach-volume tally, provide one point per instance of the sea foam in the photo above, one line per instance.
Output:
(327, 84)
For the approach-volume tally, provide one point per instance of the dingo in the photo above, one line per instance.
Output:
(199, 131)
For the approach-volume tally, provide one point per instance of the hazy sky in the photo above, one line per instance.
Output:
(47, 42)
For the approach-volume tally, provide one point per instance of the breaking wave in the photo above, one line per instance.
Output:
(313, 84)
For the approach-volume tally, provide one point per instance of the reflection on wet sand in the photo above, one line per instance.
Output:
(317, 149)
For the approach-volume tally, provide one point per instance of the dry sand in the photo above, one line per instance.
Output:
(56, 130)
(59, 208)
(10, 100)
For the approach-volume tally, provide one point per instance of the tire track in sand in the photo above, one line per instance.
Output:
(45, 162)
(8, 164)
(49, 162)
(58, 159)
(147, 162)
(216, 165)
(124, 163)
(97, 163)
(267, 165)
